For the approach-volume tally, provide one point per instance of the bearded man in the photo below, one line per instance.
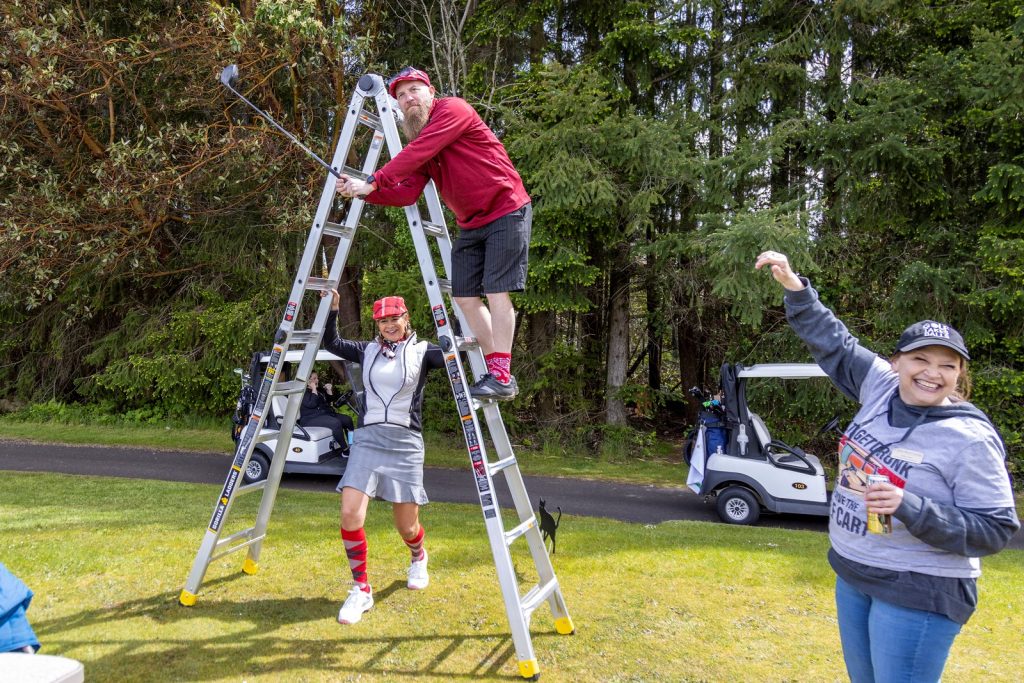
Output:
(450, 144)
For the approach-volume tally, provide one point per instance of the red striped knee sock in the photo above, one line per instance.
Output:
(416, 545)
(355, 548)
(500, 365)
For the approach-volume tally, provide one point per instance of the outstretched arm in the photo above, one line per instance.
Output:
(402, 193)
(837, 351)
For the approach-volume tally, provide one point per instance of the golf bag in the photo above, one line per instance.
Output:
(710, 427)
(246, 399)
(708, 436)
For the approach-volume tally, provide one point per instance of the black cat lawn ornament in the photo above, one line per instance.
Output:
(548, 524)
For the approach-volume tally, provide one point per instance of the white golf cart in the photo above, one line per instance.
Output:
(313, 450)
(745, 470)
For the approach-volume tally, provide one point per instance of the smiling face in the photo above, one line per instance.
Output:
(928, 375)
(394, 328)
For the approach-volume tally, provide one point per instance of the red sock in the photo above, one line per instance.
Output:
(416, 545)
(355, 548)
(500, 365)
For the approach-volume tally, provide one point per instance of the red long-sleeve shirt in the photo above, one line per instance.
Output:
(465, 160)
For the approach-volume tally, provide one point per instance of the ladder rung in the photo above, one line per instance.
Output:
(320, 284)
(537, 595)
(445, 286)
(240, 546)
(519, 530)
(369, 120)
(303, 337)
(288, 388)
(228, 540)
(499, 465)
(267, 434)
(467, 343)
(338, 230)
(434, 229)
(249, 488)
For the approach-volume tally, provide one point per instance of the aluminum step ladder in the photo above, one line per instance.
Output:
(519, 606)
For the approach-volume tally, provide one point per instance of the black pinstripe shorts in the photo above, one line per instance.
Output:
(493, 258)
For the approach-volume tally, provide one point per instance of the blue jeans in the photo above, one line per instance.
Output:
(886, 643)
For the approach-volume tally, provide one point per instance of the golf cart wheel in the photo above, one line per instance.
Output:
(257, 468)
(737, 505)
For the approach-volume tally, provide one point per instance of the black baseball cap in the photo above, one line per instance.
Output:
(931, 333)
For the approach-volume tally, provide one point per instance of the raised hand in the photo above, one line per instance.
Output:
(781, 271)
(335, 299)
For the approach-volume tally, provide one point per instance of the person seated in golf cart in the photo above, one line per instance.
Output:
(317, 410)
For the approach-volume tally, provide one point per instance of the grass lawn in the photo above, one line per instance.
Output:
(681, 601)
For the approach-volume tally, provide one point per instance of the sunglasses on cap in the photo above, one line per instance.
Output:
(409, 73)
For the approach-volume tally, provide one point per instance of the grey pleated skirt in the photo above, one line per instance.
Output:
(386, 461)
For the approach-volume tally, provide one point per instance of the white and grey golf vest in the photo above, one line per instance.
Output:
(392, 385)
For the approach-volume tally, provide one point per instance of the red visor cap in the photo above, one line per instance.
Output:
(389, 306)
(407, 74)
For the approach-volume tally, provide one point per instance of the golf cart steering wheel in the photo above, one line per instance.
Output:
(344, 398)
(783, 455)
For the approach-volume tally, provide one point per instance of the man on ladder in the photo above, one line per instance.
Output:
(450, 144)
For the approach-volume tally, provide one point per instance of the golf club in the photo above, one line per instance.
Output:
(228, 77)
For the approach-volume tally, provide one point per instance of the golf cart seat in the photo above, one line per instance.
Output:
(276, 417)
(781, 454)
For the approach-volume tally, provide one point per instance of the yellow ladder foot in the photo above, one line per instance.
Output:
(250, 567)
(187, 599)
(528, 669)
(564, 626)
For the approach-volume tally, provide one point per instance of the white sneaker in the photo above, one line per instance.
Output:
(357, 602)
(418, 578)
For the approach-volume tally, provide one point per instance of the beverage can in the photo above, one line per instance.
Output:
(878, 524)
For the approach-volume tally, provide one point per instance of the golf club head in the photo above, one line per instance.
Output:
(229, 76)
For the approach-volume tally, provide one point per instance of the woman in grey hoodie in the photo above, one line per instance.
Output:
(902, 597)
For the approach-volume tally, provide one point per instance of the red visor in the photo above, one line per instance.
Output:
(389, 306)
(407, 74)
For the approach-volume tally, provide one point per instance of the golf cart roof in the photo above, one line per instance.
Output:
(783, 370)
(295, 355)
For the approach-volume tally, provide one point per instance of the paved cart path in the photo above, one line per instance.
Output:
(626, 502)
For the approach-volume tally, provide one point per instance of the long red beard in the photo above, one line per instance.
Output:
(414, 121)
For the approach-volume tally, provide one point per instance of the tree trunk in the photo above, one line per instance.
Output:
(538, 44)
(692, 364)
(655, 295)
(834, 96)
(618, 336)
(714, 94)
(348, 310)
(593, 330)
(540, 339)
